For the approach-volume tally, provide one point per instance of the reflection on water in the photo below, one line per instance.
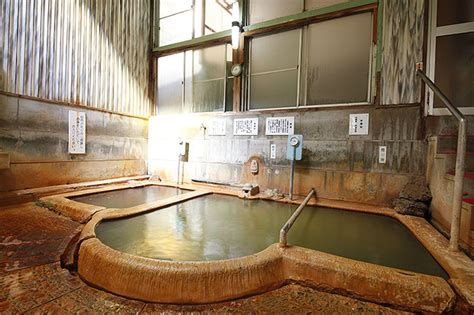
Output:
(220, 227)
(130, 197)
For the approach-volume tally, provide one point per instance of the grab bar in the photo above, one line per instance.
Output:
(460, 158)
(284, 230)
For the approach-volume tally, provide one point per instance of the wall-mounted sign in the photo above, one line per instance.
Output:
(280, 126)
(358, 124)
(217, 127)
(246, 127)
(77, 132)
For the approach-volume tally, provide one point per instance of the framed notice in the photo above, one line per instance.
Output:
(217, 127)
(246, 127)
(77, 132)
(280, 126)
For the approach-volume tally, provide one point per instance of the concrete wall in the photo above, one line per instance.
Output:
(339, 166)
(35, 134)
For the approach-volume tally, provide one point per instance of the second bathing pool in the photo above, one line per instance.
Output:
(215, 227)
(129, 197)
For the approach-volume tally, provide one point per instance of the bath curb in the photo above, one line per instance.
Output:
(161, 281)
(457, 266)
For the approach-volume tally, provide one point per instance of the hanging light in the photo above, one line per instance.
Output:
(235, 25)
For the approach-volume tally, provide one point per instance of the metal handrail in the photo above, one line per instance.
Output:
(284, 230)
(460, 159)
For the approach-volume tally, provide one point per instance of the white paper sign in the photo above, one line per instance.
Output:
(358, 124)
(246, 127)
(77, 132)
(280, 126)
(217, 127)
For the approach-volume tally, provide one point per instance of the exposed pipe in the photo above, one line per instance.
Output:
(284, 230)
(292, 175)
(460, 159)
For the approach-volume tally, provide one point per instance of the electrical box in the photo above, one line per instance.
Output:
(294, 148)
(382, 154)
(273, 149)
(358, 124)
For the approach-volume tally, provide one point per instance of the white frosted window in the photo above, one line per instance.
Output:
(274, 70)
(274, 90)
(275, 52)
(218, 16)
(339, 60)
(262, 10)
(176, 28)
(205, 75)
(181, 20)
(170, 78)
(169, 7)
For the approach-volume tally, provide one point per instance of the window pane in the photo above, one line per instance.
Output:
(229, 93)
(170, 77)
(207, 96)
(454, 69)
(316, 4)
(209, 63)
(453, 12)
(168, 7)
(229, 97)
(205, 75)
(262, 10)
(339, 60)
(273, 90)
(275, 52)
(176, 28)
(218, 16)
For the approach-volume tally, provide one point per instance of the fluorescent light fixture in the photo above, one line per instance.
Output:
(235, 25)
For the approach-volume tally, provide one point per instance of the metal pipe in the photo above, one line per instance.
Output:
(284, 230)
(179, 169)
(453, 109)
(292, 172)
(458, 186)
(460, 160)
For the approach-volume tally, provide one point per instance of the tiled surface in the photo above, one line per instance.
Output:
(32, 281)
(50, 289)
(290, 299)
(28, 288)
(32, 236)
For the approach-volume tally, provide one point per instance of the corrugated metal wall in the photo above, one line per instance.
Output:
(402, 49)
(87, 52)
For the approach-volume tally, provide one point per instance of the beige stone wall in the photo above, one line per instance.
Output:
(35, 135)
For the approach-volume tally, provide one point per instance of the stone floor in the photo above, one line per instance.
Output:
(32, 240)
